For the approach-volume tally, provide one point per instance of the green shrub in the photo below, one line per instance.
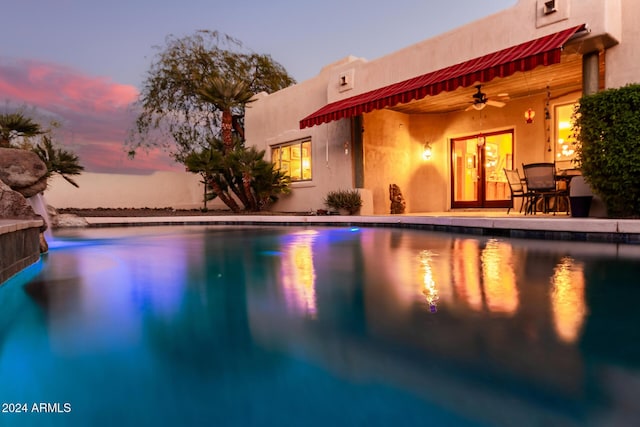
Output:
(607, 128)
(348, 200)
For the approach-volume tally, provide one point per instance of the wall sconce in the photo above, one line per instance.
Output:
(529, 115)
(427, 153)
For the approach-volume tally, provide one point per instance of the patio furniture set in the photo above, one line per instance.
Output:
(541, 189)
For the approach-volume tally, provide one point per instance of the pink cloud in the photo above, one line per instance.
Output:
(44, 84)
(107, 158)
(94, 111)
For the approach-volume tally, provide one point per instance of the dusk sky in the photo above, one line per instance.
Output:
(82, 62)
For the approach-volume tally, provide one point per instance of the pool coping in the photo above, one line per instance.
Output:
(548, 228)
(12, 225)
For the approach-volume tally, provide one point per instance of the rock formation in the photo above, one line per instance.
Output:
(14, 205)
(23, 171)
(22, 175)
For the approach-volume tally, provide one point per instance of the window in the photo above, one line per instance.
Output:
(565, 142)
(294, 159)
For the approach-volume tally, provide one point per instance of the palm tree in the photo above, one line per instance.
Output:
(14, 125)
(261, 181)
(58, 161)
(237, 172)
(226, 95)
(210, 164)
(242, 179)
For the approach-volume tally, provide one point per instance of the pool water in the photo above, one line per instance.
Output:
(293, 326)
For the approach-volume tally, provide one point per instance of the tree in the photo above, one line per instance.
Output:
(174, 114)
(15, 125)
(58, 160)
(240, 177)
(226, 95)
(193, 102)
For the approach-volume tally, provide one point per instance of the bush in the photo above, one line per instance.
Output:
(348, 200)
(607, 128)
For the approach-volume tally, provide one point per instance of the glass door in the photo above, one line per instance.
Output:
(477, 176)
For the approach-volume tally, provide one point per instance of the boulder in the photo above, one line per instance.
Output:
(14, 205)
(23, 171)
(34, 189)
(69, 220)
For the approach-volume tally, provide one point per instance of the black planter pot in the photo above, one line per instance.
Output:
(580, 206)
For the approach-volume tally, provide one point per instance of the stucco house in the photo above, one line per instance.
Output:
(443, 117)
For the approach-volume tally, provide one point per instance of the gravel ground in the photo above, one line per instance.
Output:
(166, 212)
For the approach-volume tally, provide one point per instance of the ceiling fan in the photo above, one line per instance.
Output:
(480, 101)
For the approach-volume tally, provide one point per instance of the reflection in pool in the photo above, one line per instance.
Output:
(321, 326)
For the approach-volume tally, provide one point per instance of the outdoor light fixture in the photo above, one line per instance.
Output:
(426, 154)
(529, 115)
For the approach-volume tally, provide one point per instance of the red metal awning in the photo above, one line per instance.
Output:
(503, 63)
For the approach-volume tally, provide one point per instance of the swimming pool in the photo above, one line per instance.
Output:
(294, 326)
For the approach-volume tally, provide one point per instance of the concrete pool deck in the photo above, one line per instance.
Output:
(558, 227)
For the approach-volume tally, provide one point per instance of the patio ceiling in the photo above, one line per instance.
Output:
(562, 78)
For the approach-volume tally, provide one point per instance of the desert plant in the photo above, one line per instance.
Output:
(348, 200)
(58, 160)
(607, 128)
(15, 125)
(240, 178)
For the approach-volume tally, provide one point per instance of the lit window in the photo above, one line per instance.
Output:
(565, 142)
(294, 159)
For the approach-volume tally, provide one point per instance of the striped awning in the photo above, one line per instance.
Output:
(545, 50)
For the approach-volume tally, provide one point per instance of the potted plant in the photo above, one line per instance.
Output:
(346, 202)
(580, 197)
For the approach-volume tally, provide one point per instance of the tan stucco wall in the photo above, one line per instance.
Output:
(387, 156)
(274, 119)
(623, 60)
(159, 190)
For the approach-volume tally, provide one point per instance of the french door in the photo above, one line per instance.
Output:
(477, 175)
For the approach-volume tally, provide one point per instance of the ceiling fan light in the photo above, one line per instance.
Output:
(479, 105)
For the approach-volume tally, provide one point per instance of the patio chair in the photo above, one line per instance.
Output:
(541, 182)
(518, 190)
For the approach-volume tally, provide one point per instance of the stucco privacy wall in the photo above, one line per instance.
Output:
(158, 190)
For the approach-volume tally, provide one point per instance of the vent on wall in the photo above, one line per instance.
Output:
(551, 11)
(549, 7)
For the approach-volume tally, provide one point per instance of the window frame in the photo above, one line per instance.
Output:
(287, 154)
